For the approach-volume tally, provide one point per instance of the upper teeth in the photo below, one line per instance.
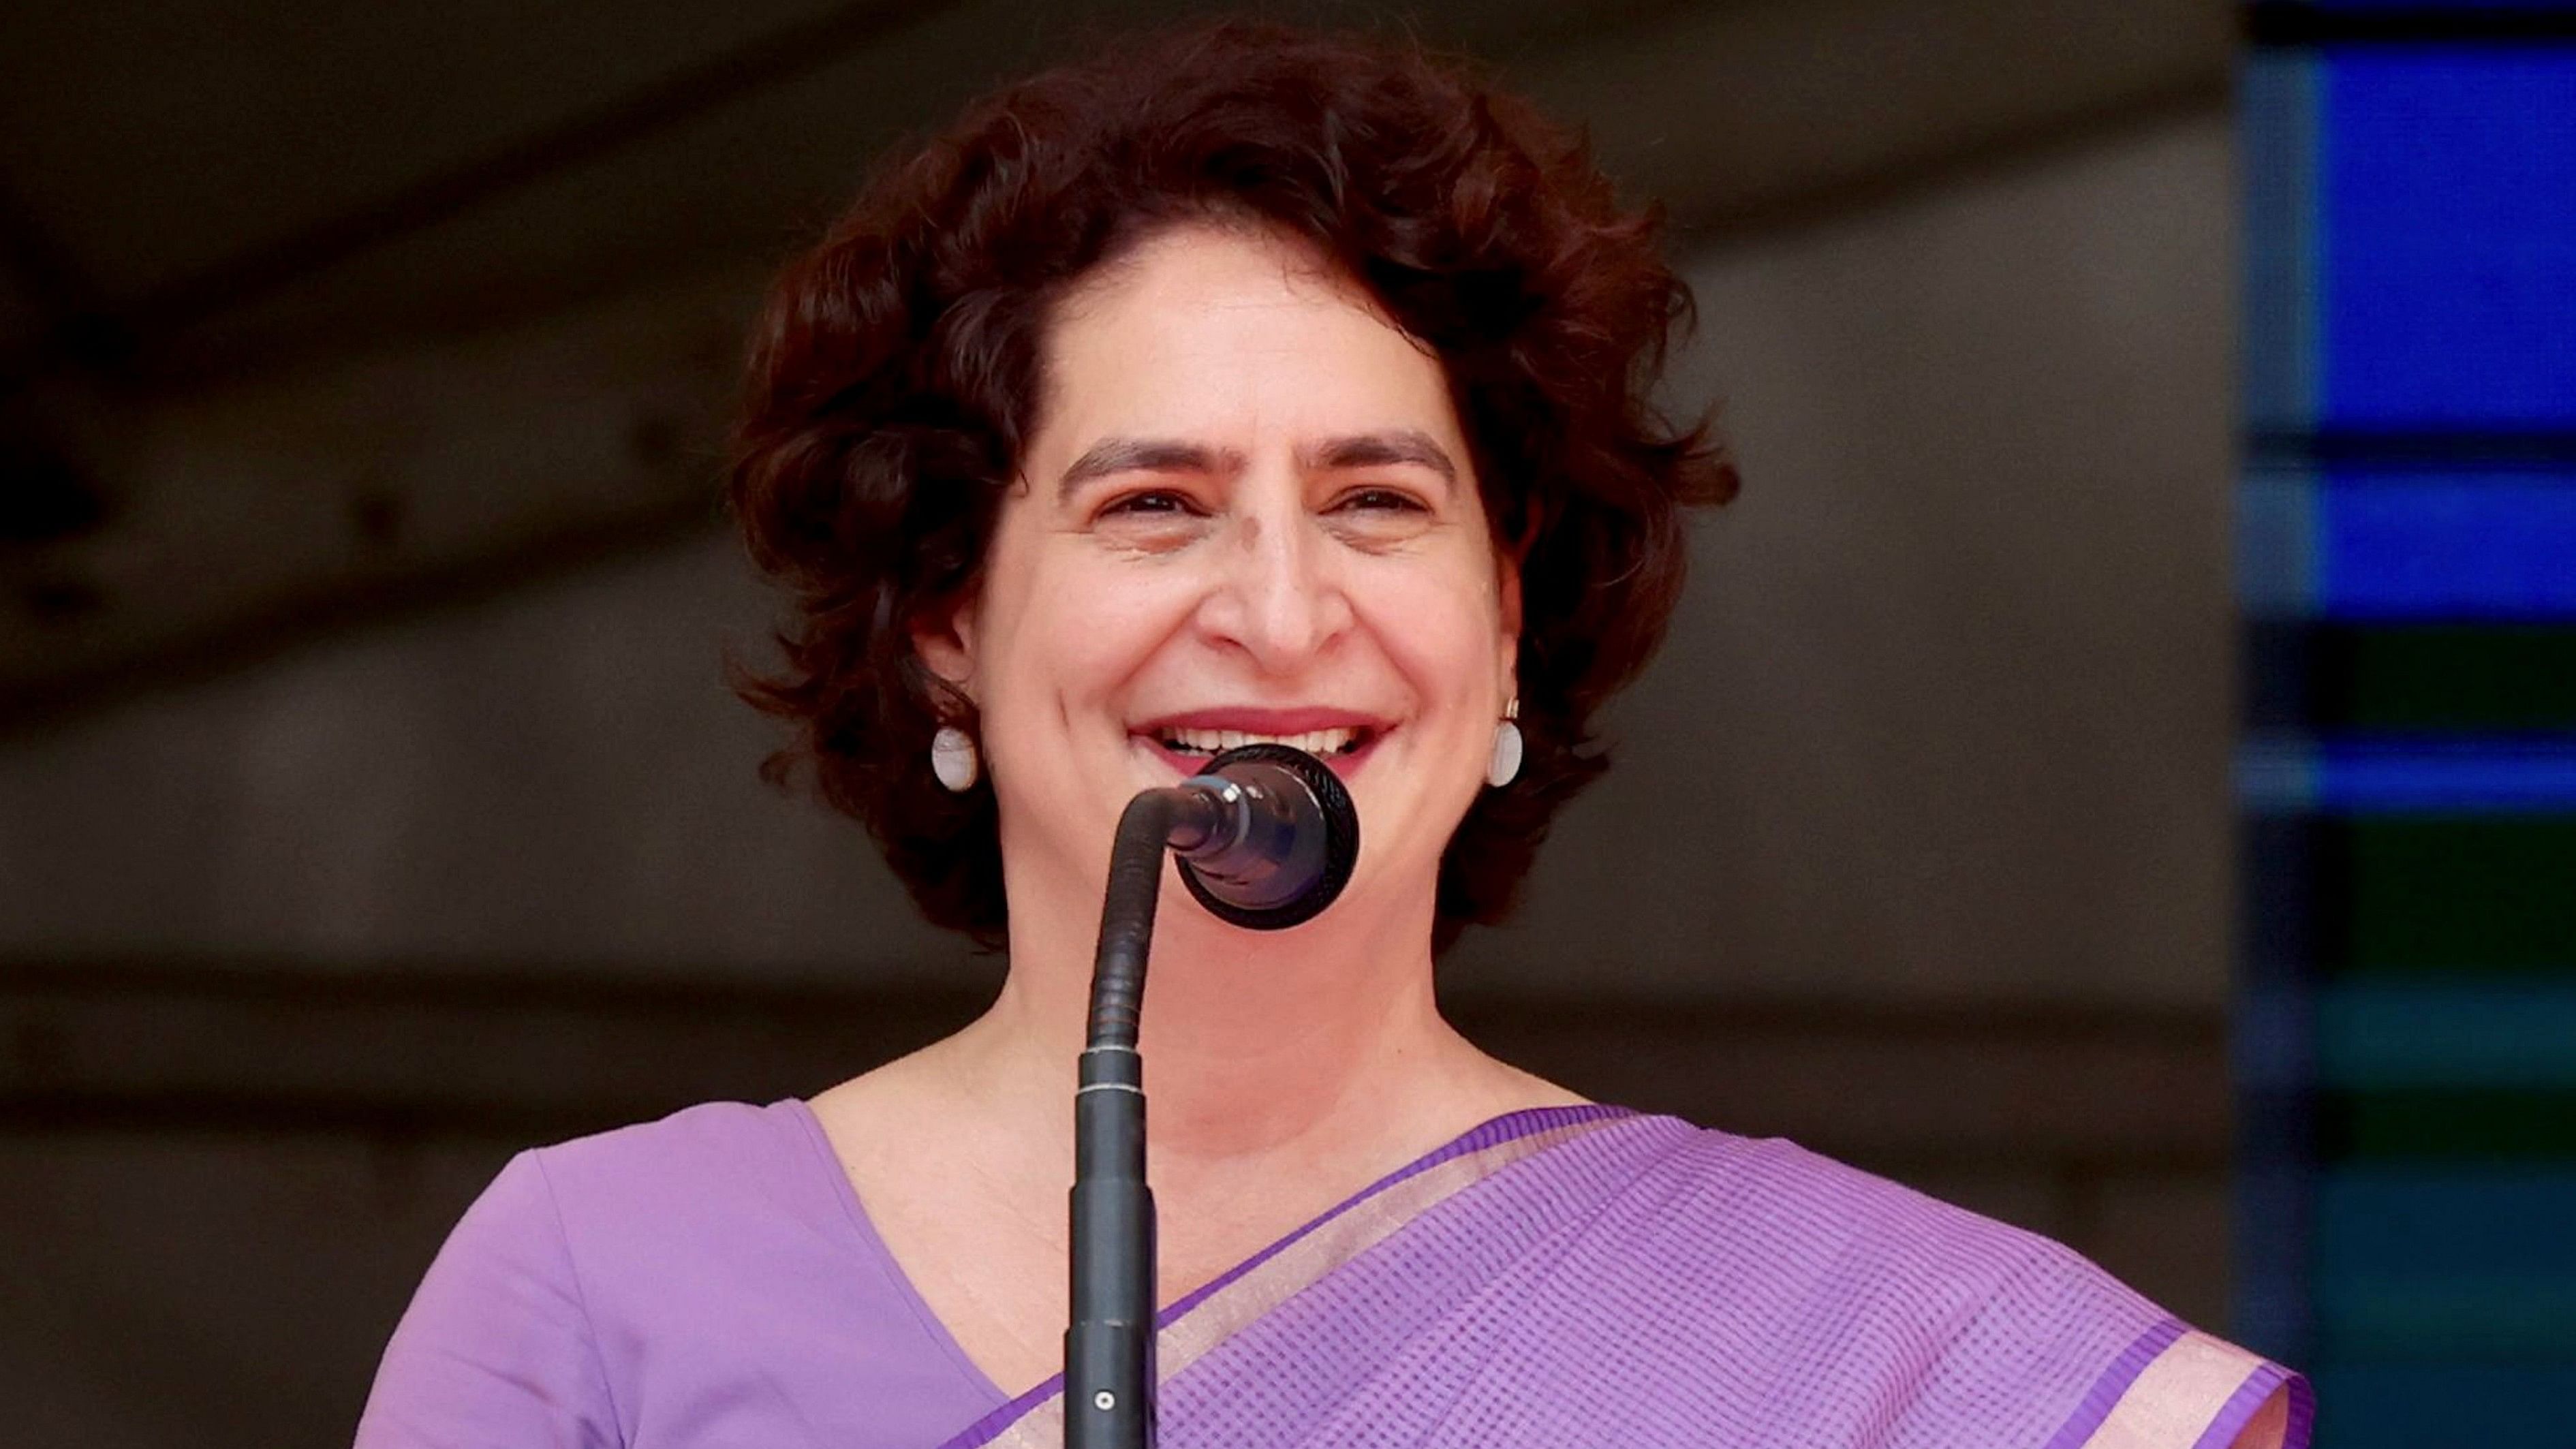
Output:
(1209, 742)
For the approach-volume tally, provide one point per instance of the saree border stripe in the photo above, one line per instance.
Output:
(2274, 1407)
(1341, 1240)
(2115, 1381)
(2187, 1395)
(1195, 1324)
(1501, 1132)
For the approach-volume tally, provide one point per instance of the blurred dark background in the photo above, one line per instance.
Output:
(371, 803)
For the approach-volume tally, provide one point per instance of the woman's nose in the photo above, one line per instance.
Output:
(1278, 595)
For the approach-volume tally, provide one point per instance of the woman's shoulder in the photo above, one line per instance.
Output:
(717, 1170)
(649, 1272)
(1946, 1312)
(634, 1225)
(503, 1339)
(725, 1137)
(1868, 1237)
(600, 1214)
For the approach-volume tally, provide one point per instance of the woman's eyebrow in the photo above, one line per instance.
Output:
(1145, 455)
(1377, 450)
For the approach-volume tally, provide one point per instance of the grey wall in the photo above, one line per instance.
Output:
(1952, 682)
(1950, 689)
(556, 777)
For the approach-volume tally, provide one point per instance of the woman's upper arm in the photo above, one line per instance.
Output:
(496, 1350)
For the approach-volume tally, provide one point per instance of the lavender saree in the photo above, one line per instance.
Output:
(1568, 1277)
(1588, 1276)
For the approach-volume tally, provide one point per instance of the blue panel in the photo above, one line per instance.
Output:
(2340, 777)
(2373, 1037)
(2417, 1221)
(2409, 398)
(2415, 1264)
(2435, 1406)
(2276, 110)
(2450, 284)
(2456, 1316)
(2498, 776)
(2276, 546)
(2436, 546)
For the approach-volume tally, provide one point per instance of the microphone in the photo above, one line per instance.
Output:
(1267, 837)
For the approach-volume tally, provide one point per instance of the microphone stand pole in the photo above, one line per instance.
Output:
(1109, 1347)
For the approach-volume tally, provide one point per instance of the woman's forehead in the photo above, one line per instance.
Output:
(1210, 330)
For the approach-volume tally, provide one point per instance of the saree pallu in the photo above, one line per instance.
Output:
(1587, 1276)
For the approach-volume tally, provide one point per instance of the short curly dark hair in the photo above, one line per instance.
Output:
(896, 368)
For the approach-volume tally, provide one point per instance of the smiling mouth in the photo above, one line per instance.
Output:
(1324, 744)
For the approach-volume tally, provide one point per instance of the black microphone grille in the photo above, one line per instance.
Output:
(1326, 830)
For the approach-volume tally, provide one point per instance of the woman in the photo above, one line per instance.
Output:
(1242, 385)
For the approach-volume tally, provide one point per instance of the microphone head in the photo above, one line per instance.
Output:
(1312, 841)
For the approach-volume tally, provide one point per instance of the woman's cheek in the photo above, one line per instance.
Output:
(1109, 622)
(1441, 639)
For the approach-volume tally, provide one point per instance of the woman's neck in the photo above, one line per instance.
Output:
(1262, 1052)
(1284, 1073)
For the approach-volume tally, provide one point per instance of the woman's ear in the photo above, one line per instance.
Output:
(945, 641)
(1507, 595)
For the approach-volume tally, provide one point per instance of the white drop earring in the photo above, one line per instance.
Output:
(1506, 763)
(952, 759)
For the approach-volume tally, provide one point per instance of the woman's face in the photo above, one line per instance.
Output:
(1247, 512)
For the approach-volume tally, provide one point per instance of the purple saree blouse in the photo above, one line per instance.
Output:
(1565, 1277)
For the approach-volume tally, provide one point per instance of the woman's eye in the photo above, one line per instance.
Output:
(1150, 505)
(1382, 500)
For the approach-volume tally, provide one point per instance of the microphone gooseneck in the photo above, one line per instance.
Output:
(1267, 838)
